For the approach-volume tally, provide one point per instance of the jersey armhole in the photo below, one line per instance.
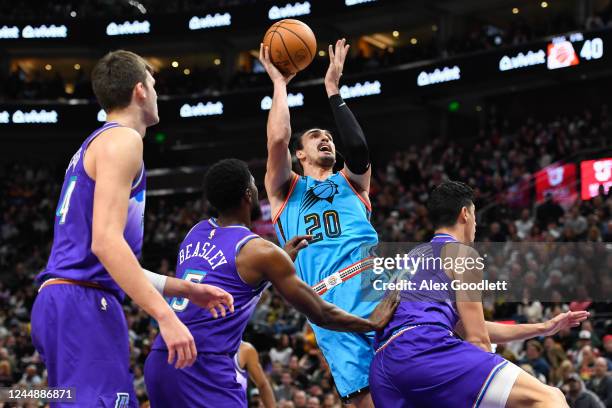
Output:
(368, 205)
(280, 210)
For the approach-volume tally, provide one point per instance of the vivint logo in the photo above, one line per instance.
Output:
(33, 116)
(210, 21)
(521, 60)
(128, 28)
(43, 31)
(445, 74)
(101, 115)
(359, 89)
(201, 109)
(9, 33)
(355, 2)
(293, 100)
(289, 10)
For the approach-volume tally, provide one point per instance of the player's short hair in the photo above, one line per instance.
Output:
(226, 182)
(297, 139)
(114, 77)
(446, 201)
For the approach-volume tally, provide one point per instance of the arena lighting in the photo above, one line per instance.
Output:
(101, 115)
(350, 3)
(445, 74)
(289, 10)
(293, 100)
(358, 90)
(201, 109)
(210, 21)
(521, 60)
(29, 117)
(128, 28)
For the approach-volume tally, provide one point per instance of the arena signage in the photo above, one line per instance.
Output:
(34, 32)
(349, 3)
(128, 28)
(289, 10)
(508, 63)
(596, 173)
(445, 74)
(357, 90)
(9, 32)
(201, 109)
(210, 21)
(29, 117)
(293, 100)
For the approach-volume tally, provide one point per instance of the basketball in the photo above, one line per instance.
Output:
(292, 45)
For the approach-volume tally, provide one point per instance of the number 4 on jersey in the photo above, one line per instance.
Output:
(62, 210)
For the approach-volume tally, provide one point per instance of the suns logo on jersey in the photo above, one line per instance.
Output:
(326, 191)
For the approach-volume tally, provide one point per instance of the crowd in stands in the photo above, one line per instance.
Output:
(579, 361)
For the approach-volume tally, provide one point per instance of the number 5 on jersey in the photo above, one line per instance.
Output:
(193, 275)
(62, 210)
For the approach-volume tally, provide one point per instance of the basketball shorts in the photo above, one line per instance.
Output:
(428, 366)
(209, 383)
(82, 337)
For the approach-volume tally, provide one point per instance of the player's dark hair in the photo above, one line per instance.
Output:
(114, 77)
(226, 182)
(446, 201)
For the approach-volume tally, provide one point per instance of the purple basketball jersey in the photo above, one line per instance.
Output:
(71, 256)
(417, 307)
(208, 255)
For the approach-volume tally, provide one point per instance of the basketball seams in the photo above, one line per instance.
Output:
(287, 51)
(300, 38)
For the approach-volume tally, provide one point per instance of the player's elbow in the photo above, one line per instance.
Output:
(278, 135)
(101, 245)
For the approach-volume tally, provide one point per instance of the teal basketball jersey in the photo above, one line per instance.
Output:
(338, 218)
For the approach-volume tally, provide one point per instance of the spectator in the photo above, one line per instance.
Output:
(30, 378)
(282, 352)
(313, 402)
(534, 358)
(299, 399)
(601, 382)
(578, 396)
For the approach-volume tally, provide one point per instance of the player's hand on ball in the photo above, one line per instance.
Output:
(178, 339)
(564, 321)
(337, 56)
(215, 299)
(296, 244)
(273, 72)
(383, 313)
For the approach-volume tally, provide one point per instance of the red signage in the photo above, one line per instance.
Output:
(595, 173)
(558, 180)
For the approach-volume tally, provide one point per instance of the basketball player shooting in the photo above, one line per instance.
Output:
(332, 207)
(78, 324)
(225, 253)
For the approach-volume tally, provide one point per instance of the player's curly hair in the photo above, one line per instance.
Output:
(226, 183)
(446, 201)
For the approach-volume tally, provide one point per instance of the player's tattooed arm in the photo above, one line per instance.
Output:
(355, 148)
(278, 130)
(211, 298)
(261, 260)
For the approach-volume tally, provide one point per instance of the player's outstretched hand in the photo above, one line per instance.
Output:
(215, 299)
(337, 56)
(383, 313)
(179, 341)
(296, 244)
(273, 72)
(563, 321)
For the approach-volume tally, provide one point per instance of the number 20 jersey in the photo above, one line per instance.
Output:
(338, 218)
(71, 256)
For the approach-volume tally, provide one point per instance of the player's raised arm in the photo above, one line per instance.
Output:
(355, 152)
(260, 259)
(278, 169)
(116, 161)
